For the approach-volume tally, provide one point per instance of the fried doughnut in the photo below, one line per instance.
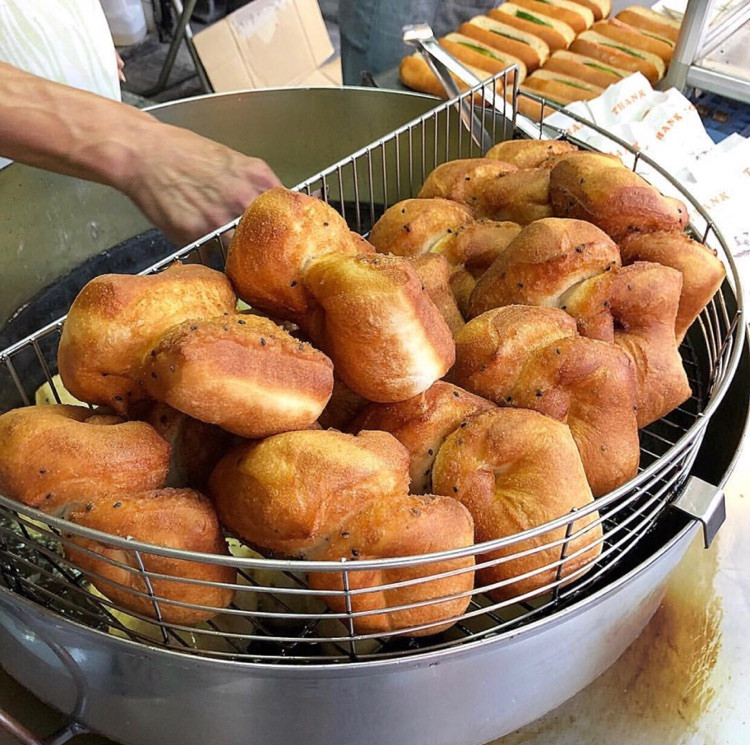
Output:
(435, 273)
(593, 187)
(515, 470)
(533, 358)
(324, 495)
(422, 423)
(57, 456)
(702, 272)
(529, 153)
(241, 372)
(117, 317)
(387, 339)
(170, 518)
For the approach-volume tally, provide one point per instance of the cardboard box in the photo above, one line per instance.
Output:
(269, 44)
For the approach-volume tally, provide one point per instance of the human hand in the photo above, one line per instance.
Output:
(188, 185)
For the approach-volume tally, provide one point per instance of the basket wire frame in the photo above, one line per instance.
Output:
(276, 617)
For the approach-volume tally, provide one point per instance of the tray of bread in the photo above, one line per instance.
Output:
(565, 50)
(427, 396)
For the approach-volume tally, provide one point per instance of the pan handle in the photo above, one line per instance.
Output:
(703, 502)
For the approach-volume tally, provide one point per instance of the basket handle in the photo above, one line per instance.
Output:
(26, 737)
(703, 502)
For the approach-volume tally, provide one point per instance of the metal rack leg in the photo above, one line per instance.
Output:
(182, 32)
(692, 30)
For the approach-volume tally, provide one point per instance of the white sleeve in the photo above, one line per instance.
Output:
(67, 41)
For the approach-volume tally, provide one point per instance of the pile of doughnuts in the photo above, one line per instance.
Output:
(565, 50)
(478, 368)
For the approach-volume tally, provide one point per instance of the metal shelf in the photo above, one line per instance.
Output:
(694, 66)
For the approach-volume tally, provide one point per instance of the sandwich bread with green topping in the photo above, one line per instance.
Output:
(576, 16)
(600, 8)
(557, 34)
(633, 37)
(624, 56)
(587, 69)
(481, 55)
(649, 21)
(529, 48)
(561, 88)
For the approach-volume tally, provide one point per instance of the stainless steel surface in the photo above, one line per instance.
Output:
(705, 503)
(719, 82)
(50, 224)
(496, 673)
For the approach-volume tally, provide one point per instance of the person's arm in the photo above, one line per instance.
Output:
(187, 185)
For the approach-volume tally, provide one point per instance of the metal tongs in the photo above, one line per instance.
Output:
(420, 36)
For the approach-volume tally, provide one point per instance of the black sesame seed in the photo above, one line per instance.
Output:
(407, 228)
(171, 368)
(193, 327)
(579, 249)
(325, 224)
(355, 552)
(262, 342)
(118, 398)
(630, 287)
(563, 307)
(141, 382)
(456, 394)
(463, 424)
(538, 394)
(154, 375)
(226, 328)
(226, 313)
(467, 178)
(455, 490)
(606, 303)
(117, 504)
(104, 375)
(558, 351)
(520, 284)
(581, 181)
(430, 452)
(48, 496)
(449, 231)
(508, 399)
(427, 472)
(241, 322)
(403, 210)
(153, 353)
(415, 512)
(344, 534)
(89, 507)
(42, 471)
(482, 368)
(293, 283)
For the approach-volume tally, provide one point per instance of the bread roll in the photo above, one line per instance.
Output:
(482, 56)
(649, 21)
(578, 17)
(117, 317)
(702, 272)
(555, 33)
(56, 457)
(529, 153)
(422, 423)
(587, 69)
(516, 470)
(533, 358)
(242, 373)
(560, 88)
(635, 39)
(645, 299)
(595, 188)
(464, 181)
(530, 49)
(626, 57)
(170, 518)
(554, 262)
(387, 339)
(600, 8)
(416, 74)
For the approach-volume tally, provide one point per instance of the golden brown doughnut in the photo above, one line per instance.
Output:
(515, 470)
(196, 446)
(416, 226)
(422, 423)
(241, 372)
(554, 262)
(285, 493)
(279, 233)
(529, 153)
(702, 272)
(435, 273)
(384, 334)
(533, 358)
(324, 495)
(170, 518)
(645, 299)
(404, 525)
(593, 187)
(117, 317)
(54, 457)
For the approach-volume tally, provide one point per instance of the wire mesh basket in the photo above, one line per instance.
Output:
(277, 617)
